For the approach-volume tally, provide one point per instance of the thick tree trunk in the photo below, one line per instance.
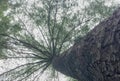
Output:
(97, 56)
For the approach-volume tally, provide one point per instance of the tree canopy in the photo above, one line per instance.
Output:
(37, 31)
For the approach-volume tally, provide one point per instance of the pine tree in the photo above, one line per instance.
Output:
(49, 36)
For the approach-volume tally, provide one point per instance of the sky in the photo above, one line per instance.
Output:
(4, 64)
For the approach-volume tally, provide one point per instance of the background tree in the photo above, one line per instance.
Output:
(47, 31)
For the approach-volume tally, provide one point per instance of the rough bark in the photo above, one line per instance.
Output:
(97, 56)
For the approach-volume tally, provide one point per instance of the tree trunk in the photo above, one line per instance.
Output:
(97, 56)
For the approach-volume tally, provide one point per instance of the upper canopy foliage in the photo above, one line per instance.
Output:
(46, 29)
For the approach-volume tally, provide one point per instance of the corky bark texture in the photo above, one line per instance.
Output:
(97, 56)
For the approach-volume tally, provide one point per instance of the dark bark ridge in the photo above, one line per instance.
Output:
(97, 56)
